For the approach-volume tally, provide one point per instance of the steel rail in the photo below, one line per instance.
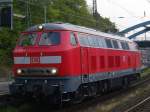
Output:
(137, 105)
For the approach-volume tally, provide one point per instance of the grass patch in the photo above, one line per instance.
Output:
(5, 73)
(8, 109)
(145, 72)
(22, 108)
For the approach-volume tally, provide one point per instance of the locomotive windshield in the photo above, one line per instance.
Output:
(46, 38)
(27, 39)
(50, 38)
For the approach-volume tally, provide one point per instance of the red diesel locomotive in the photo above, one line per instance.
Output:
(66, 62)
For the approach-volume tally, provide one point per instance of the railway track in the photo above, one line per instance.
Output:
(6, 99)
(4, 93)
(99, 100)
(4, 88)
(142, 106)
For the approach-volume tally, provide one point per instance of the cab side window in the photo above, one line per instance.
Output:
(73, 40)
(109, 44)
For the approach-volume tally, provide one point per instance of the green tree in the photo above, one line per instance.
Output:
(70, 11)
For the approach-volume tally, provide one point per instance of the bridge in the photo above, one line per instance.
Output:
(140, 25)
(144, 46)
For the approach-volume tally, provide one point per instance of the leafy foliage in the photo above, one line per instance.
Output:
(70, 11)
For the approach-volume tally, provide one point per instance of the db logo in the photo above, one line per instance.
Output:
(35, 60)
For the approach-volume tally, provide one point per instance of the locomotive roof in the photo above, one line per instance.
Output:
(68, 26)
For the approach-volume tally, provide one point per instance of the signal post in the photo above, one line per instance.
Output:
(6, 13)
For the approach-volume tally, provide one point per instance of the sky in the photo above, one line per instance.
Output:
(124, 13)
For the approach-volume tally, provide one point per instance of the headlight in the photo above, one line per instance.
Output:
(54, 71)
(40, 27)
(19, 71)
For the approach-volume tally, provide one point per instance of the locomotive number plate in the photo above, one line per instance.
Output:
(34, 60)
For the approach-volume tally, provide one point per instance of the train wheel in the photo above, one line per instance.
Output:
(125, 82)
(93, 90)
(78, 96)
(138, 76)
(55, 101)
(105, 87)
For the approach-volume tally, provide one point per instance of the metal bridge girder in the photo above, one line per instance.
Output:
(134, 27)
(139, 33)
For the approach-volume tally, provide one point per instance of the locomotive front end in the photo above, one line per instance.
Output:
(41, 63)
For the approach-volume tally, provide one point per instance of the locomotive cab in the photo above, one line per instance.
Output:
(46, 58)
(44, 52)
